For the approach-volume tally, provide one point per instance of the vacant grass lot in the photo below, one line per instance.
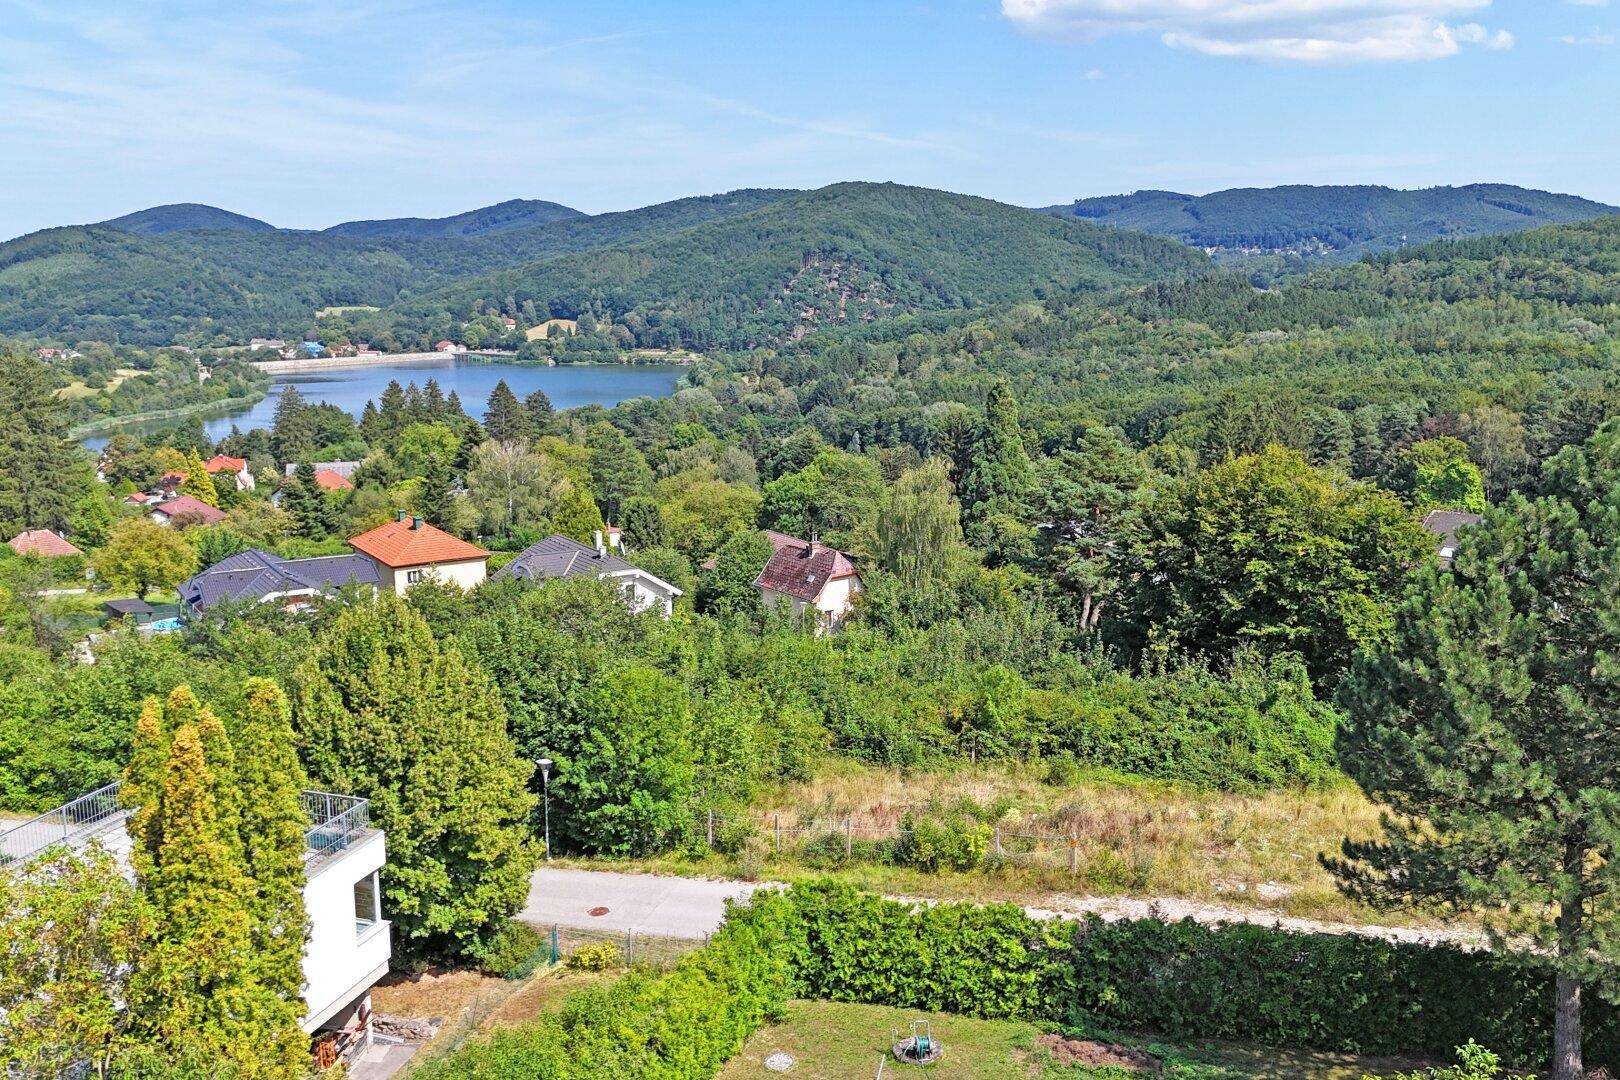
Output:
(831, 1041)
(1135, 839)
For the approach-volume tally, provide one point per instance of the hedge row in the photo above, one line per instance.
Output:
(830, 941)
(1184, 980)
(679, 1026)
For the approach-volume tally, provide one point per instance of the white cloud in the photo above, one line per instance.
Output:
(1596, 36)
(1296, 31)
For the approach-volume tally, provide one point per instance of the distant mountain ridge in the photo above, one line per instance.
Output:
(181, 217)
(502, 217)
(1331, 223)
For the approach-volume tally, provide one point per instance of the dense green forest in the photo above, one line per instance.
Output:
(502, 217)
(850, 253)
(224, 286)
(1338, 223)
(183, 217)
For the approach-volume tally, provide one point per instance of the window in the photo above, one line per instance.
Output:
(412, 576)
(367, 904)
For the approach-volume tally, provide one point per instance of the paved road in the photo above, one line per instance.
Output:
(679, 907)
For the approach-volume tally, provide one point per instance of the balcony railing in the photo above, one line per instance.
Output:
(334, 822)
(68, 824)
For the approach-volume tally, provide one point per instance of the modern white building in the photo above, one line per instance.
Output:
(349, 943)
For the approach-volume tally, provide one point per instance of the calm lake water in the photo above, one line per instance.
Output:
(568, 386)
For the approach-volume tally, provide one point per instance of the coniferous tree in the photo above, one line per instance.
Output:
(383, 711)
(199, 485)
(292, 431)
(391, 413)
(43, 476)
(618, 470)
(642, 523)
(538, 406)
(435, 500)
(453, 407)
(273, 824)
(1486, 725)
(504, 417)
(471, 439)
(306, 501)
(996, 478)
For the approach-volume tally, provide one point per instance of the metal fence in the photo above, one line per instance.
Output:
(335, 820)
(610, 950)
(83, 817)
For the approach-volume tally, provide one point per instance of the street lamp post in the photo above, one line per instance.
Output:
(545, 785)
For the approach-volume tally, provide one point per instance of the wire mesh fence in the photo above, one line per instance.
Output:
(595, 949)
(1051, 845)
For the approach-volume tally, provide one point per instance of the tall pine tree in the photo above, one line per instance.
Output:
(996, 477)
(43, 475)
(504, 417)
(1487, 725)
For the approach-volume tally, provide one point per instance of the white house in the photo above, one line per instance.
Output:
(349, 941)
(408, 550)
(221, 465)
(808, 576)
(560, 557)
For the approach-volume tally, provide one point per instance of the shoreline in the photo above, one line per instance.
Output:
(102, 426)
(334, 363)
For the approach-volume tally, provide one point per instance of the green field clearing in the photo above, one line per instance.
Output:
(344, 309)
(833, 1041)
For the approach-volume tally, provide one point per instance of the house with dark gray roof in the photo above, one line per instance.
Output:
(560, 557)
(1443, 526)
(258, 576)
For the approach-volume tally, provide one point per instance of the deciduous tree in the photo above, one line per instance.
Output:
(142, 555)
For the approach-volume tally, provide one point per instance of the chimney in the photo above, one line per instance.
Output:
(399, 515)
(601, 545)
(416, 523)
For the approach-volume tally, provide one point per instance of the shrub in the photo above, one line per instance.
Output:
(957, 843)
(510, 948)
(603, 956)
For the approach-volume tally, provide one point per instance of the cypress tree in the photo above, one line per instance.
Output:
(435, 499)
(142, 790)
(504, 417)
(997, 477)
(273, 824)
(199, 485)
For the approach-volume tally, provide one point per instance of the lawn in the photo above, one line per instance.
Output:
(831, 1041)
(1135, 839)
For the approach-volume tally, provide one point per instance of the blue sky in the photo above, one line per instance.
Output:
(306, 113)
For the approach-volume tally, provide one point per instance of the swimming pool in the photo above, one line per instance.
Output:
(164, 626)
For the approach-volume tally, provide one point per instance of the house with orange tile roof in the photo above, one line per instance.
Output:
(237, 467)
(328, 480)
(809, 579)
(42, 542)
(408, 550)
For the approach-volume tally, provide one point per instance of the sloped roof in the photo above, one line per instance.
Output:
(332, 481)
(802, 569)
(41, 542)
(225, 463)
(251, 574)
(131, 606)
(405, 543)
(190, 506)
(560, 557)
(344, 469)
(1445, 523)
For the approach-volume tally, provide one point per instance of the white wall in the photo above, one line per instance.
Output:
(468, 573)
(644, 592)
(341, 963)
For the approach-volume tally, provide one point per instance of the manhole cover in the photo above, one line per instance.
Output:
(597, 911)
(779, 1062)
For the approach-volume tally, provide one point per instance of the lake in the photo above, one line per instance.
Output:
(349, 388)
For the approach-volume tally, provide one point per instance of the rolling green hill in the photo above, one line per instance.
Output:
(1315, 224)
(502, 217)
(848, 253)
(179, 217)
(222, 286)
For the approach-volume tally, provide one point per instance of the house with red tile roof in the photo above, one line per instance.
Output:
(810, 579)
(237, 467)
(333, 481)
(184, 510)
(42, 542)
(408, 550)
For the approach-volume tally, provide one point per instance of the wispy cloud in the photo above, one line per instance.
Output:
(1293, 31)
(1596, 37)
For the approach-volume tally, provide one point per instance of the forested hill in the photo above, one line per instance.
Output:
(1331, 223)
(848, 253)
(180, 217)
(502, 217)
(221, 286)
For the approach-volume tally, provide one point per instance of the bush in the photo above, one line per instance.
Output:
(603, 956)
(510, 949)
(958, 843)
(679, 1026)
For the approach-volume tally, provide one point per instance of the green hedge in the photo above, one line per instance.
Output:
(1184, 980)
(679, 1026)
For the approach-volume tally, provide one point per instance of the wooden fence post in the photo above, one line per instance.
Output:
(629, 947)
(998, 840)
(778, 823)
(849, 839)
(1074, 853)
(711, 828)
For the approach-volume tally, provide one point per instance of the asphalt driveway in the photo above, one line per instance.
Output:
(677, 907)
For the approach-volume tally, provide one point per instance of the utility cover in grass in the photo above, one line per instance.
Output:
(779, 1062)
